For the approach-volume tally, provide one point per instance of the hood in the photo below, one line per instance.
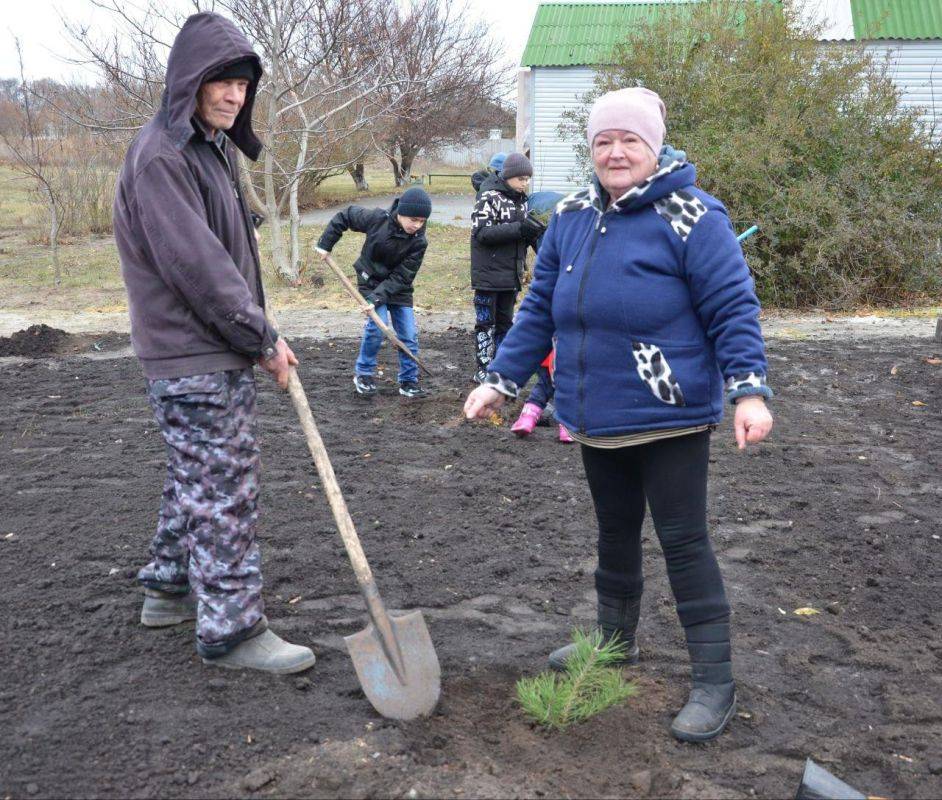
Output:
(675, 174)
(205, 43)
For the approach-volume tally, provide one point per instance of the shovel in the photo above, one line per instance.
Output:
(352, 291)
(394, 657)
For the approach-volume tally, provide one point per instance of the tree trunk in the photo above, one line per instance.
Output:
(407, 157)
(357, 172)
(397, 170)
(54, 224)
(286, 268)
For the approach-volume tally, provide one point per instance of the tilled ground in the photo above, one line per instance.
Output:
(493, 538)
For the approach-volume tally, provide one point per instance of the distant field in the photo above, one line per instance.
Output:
(91, 278)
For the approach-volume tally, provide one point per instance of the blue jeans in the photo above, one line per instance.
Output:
(403, 322)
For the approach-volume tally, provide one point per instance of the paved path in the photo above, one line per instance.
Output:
(318, 323)
(447, 209)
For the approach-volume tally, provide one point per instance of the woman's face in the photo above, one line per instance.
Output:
(622, 160)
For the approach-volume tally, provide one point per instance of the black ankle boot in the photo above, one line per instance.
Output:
(617, 617)
(712, 701)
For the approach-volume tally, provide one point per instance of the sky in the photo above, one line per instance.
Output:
(37, 24)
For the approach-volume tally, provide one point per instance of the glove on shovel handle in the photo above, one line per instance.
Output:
(352, 291)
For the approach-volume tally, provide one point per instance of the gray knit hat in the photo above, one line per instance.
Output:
(515, 165)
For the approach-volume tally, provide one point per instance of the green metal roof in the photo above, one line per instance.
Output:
(575, 34)
(569, 34)
(897, 19)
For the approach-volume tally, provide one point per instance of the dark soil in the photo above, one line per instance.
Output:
(493, 538)
(41, 340)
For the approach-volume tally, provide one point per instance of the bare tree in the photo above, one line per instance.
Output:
(34, 152)
(324, 86)
(455, 74)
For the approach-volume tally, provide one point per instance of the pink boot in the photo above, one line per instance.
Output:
(564, 436)
(526, 422)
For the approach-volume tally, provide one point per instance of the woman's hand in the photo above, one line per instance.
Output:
(752, 422)
(482, 402)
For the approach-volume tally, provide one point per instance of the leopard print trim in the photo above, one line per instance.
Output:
(656, 373)
(682, 210)
(503, 385)
(752, 383)
(589, 197)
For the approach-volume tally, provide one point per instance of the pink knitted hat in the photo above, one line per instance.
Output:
(638, 110)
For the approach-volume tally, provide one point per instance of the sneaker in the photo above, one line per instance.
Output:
(412, 389)
(365, 385)
(528, 419)
(564, 436)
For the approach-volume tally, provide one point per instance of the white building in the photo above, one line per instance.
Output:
(569, 40)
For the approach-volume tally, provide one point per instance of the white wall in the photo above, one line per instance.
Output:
(555, 90)
(916, 68)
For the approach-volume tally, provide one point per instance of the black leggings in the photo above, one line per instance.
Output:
(672, 475)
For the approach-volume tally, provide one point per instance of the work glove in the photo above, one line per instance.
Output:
(532, 228)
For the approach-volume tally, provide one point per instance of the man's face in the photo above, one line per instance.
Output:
(218, 103)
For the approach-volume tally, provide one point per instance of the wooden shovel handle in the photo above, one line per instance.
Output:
(326, 472)
(352, 291)
(338, 506)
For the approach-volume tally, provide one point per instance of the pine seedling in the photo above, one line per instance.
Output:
(591, 683)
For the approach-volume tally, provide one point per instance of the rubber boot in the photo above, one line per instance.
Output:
(161, 609)
(564, 436)
(266, 652)
(526, 422)
(617, 616)
(712, 701)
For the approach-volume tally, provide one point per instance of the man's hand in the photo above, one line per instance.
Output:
(322, 253)
(368, 308)
(278, 366)
(752, 422)
(483, 402)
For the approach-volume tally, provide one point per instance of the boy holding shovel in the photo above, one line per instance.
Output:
(389, 261)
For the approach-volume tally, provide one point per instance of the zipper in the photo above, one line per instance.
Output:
(581, 314)
(246, 221)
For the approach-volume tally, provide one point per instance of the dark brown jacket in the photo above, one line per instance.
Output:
(184, 232)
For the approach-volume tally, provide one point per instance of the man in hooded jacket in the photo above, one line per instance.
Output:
(189, 259)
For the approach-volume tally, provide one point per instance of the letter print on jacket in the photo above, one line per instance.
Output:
(656, 373)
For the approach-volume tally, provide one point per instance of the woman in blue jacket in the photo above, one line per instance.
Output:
(642, 283)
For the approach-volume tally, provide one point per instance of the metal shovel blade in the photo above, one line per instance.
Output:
(405, 690)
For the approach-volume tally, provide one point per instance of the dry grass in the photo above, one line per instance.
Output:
(91, 275)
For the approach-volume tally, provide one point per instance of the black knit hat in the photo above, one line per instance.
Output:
(415, 202)
(515, 165)
(244, 69)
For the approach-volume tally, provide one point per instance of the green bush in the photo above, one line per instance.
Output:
(806, 139)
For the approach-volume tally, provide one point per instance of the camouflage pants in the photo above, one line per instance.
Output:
(206, 528)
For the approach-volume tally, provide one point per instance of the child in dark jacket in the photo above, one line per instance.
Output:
(501, 232)
(492, 170)
(389, 261)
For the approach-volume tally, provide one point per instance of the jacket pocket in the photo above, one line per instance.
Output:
(654, 370)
